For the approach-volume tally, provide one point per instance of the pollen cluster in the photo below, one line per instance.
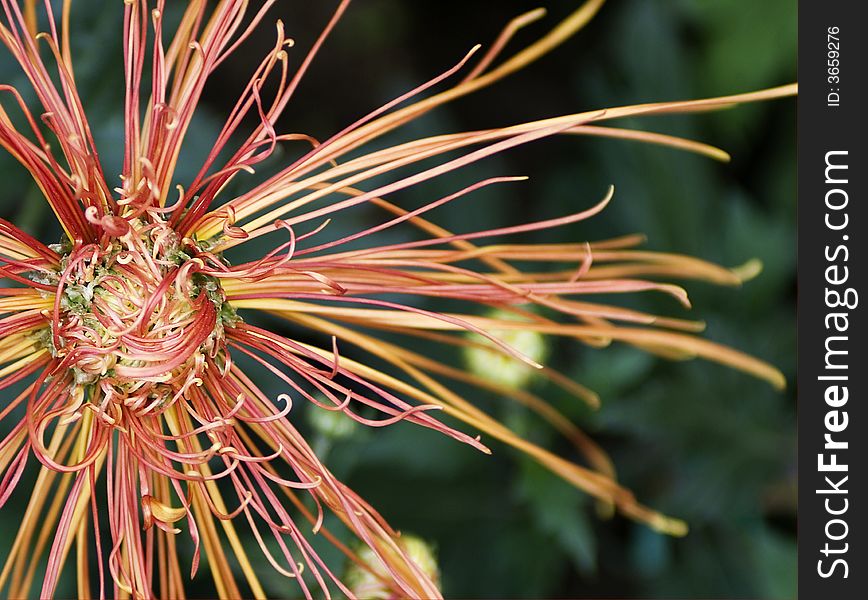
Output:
(136, 317)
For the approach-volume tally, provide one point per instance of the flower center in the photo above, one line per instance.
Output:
(137, 318)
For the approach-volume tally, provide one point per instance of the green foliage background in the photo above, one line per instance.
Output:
(695, 440)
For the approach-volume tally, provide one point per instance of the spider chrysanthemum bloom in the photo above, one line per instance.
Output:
(120, 345)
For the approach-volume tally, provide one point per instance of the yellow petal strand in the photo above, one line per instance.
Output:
(78, 435)
(652, 108)
(83, 499)
(23, 362)
(424, 225)
(635, 336)
(34, 505)
(653, 138)
(290, 183)
(26, 552)
(16, 346)
(390, 352)
(171, 579)
(598, 485)
(564, 30)
(21, 302)
(30, 17)
(82, 561)
(222, 572)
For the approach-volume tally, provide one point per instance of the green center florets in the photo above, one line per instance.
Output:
(140, 316)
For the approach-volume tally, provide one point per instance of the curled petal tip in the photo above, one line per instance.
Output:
(778, 380)
(748, 270)
(673, 527)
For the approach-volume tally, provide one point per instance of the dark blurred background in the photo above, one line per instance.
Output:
(697, 441)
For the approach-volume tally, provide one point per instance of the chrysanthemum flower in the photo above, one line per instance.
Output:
(119, 345)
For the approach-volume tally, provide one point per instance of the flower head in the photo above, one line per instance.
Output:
(125, 339)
